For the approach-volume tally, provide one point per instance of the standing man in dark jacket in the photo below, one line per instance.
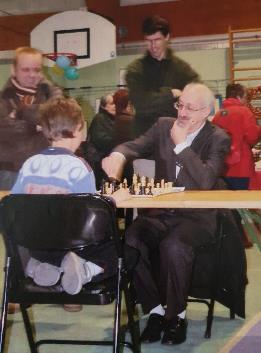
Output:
(20, 135)
(155, 80)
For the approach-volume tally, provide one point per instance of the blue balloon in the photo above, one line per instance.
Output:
(72, 73)
(63, 61)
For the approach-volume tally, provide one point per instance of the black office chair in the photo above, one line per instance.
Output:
(219, 272)
(63, 222)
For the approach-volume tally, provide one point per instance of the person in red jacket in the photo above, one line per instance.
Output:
(240, 123)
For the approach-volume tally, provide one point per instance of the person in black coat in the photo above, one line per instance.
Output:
(100, 138)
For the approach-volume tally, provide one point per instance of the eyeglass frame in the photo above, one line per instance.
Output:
(179, 105)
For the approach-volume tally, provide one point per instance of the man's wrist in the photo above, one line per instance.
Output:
(119, 154)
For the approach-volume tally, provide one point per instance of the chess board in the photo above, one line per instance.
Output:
(159, 191)
(141, 187)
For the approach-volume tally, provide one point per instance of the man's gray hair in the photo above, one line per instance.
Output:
(205, 94)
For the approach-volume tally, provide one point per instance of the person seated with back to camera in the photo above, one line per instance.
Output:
(189, 151)
(62, 123)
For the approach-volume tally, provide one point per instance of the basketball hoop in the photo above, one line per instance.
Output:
(53, 56)
(64, 64)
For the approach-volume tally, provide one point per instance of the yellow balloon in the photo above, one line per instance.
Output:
(57, 70)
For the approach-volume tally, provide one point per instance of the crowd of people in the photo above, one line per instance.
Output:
(161, 115)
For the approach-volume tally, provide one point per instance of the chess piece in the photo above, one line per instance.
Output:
(134, 179)
(143, 186)
(162, 183)
(103, 189)
(150, 190)
(125, 183)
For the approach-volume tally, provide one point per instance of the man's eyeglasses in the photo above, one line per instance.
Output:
(179, 105)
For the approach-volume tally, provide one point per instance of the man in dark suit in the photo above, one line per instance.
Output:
(189, 151)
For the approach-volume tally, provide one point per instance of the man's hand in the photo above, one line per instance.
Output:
(180, 130)
(121, 195)
(113, 165)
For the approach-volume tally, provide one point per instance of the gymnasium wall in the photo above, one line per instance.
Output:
(187, 18)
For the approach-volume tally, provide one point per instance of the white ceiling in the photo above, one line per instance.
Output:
(21, 7)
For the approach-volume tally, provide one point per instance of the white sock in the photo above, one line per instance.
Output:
(158, 310)
(182, 315)
(93, 268)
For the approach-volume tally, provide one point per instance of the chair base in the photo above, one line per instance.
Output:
(82, 343)
(210, 315)
(210, 304)
(35, 344)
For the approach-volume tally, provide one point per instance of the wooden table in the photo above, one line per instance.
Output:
(194, 199)
(3, 193)
(240, 199)
(198, 199)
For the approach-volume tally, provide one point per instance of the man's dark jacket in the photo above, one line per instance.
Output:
(19, 137)
(150, 82)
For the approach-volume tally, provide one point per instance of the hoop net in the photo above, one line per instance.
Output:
(53, 57)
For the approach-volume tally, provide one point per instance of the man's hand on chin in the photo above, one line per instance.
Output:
(180, 130)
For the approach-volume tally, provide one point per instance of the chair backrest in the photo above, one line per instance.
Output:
(43, 222)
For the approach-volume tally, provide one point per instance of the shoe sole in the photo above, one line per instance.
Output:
(71, 279)
(46, 274)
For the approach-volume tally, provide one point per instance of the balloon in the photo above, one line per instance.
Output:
(63, 61)
(57, 70)
(71, 73)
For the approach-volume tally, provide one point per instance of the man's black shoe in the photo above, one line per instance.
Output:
(152, 332)
(175, 331)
